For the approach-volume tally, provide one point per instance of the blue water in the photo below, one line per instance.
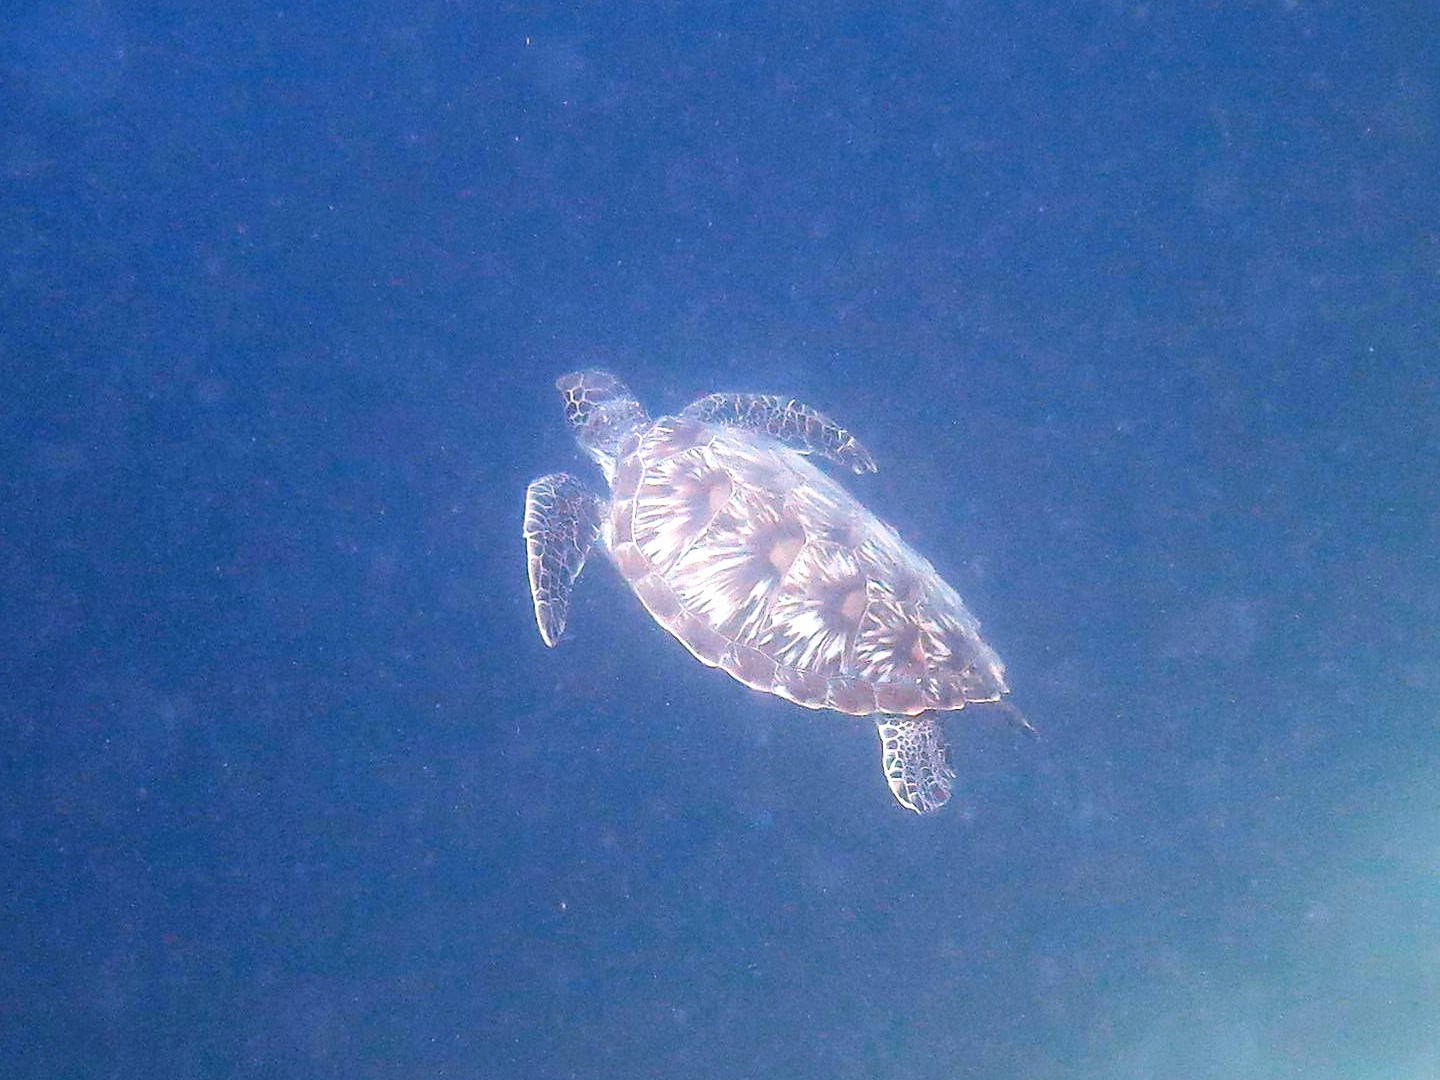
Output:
(1135, 305)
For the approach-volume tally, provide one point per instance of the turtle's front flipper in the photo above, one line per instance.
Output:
(562, 520)
(797, 426)
(916, 759)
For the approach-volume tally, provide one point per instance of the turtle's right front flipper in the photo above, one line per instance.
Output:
(562, 522)
(797, 425)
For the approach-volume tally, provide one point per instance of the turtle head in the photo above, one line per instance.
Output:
(602, 411)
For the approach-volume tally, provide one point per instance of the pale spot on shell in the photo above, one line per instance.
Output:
(784, 552)
(719, 493)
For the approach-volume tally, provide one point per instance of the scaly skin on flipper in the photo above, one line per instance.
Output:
(562, 522)
(797, 425)
(916, 759)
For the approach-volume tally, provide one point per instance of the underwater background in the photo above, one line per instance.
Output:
(1136, 306)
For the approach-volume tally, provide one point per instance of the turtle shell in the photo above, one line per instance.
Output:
(763, 566)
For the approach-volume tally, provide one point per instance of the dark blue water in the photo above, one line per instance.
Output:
(1136, 308)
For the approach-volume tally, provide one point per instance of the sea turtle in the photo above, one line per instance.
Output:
(764, 566)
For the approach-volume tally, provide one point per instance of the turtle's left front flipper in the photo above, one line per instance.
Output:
(796, 425)
(916, 758)
(562, 522)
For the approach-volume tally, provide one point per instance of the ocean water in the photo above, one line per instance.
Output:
(1135, 305)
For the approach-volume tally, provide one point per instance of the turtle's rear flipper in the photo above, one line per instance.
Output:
(798, 426)
(916, 759)
(562, 520)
